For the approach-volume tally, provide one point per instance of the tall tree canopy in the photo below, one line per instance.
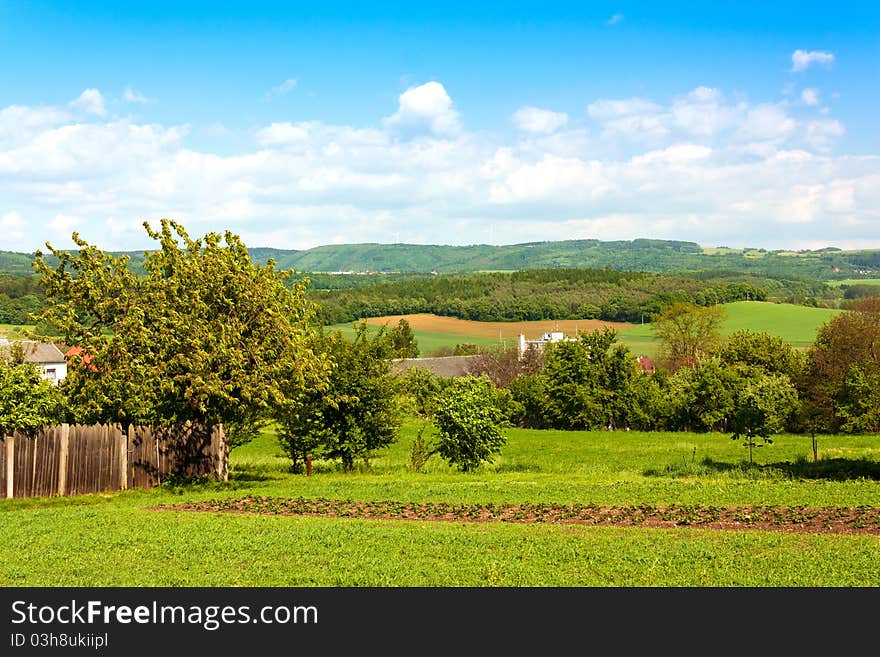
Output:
(205, 335)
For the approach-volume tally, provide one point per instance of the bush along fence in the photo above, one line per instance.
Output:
(77, 459)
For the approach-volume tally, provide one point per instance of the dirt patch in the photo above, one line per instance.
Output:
(504, 330)
(853, 520)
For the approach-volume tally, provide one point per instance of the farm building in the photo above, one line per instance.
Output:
(445, 366)
(553, 336)
(46, 356)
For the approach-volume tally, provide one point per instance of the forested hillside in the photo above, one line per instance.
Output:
(630, 255)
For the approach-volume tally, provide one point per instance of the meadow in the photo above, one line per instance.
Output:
(122, 540)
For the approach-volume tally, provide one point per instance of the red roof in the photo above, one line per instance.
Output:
(73, 351)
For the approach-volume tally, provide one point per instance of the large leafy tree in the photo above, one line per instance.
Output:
(702, 399)
(843, 371)
(759, 349)
(687, 333)
(205, 335)
(359, 411)
(589, 382)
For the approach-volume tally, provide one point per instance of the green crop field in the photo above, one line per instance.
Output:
(120, 540)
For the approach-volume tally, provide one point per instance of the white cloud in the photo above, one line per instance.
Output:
(134, 96)
(425, 108)
(282, 89)
(810, 96)
(675, 154)
(742, 174)
(539, 121)
(12, 227)
(90, 101)
(703, 112)
(820, 134)
(608, 110)
(766, 122)
(64, 224)
(801, 60)
(614, 20)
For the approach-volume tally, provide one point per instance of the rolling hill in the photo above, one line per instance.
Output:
(635, 255)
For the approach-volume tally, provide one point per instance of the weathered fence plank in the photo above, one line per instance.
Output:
(75, 459)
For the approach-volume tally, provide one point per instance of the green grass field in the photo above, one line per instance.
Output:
(797, 325)
(855, 281)
(117, 540)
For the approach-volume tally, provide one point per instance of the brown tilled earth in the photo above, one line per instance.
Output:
(506, 330)
(857, 520)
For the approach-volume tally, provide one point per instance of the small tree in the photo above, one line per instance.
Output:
(356, 414)
(27, 400)
(761, 409)
(403, 341)
(469, 423)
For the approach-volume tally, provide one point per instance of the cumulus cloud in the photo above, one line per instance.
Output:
(539, 121)
(426, 108)
(716, 170)
(90, 101)
(801, 60)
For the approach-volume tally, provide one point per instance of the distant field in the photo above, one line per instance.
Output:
(855, 281)
(14, 331)
(510, 330)
(433, 332)
(796, 325)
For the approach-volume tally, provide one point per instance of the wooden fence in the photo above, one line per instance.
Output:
(77, 459)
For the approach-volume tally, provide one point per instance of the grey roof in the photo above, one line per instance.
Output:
(35, 352)
(445, 366)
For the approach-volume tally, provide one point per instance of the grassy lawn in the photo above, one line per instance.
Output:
(117, 540)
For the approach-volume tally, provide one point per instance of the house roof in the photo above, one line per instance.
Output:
(35, 352)
(445, 366)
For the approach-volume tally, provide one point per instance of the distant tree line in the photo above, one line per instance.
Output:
(20, 297)
(606, 294)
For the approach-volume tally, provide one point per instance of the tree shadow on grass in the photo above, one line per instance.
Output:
(836, 469)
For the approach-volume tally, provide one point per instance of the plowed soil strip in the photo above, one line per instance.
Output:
(853, 520)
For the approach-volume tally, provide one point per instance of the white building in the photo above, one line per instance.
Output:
(46, 356)
(552, 336)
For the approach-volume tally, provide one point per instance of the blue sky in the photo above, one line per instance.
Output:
(295, 125)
